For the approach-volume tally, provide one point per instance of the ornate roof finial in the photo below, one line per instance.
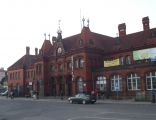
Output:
(49, 36)
(59, 32)
(45, 35)
(83, 20)
(59, 29)
(88, 22)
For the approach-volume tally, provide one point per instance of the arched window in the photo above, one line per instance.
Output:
(151, 80)
(52, 68)
(128, 60)
(69, 65)
(76, 63)
(81, 62)
(121, 60)
(80, 85)
(116, 83)
(133, 82)
(60, 67)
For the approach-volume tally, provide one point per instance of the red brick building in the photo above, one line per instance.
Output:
(116, 66)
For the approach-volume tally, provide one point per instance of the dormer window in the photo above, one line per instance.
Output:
(153, 34)
(80, 42)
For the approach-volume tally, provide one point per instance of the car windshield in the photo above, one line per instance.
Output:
(82, 95)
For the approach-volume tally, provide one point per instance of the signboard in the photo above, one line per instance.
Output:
(145, 54)
(110, 63)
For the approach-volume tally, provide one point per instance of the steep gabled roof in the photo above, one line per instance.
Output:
(69, 43)
(99, 41)
(25, 61)
(102, 41)
(46, 47)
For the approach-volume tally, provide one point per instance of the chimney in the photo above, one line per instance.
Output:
(122, 29)
(36, 51)
(27, 50)
(145, 22)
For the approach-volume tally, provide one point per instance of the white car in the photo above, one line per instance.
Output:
(5, 93)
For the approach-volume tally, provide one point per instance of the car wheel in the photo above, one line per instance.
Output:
(92, 102)
(71, 101)
(83, 102)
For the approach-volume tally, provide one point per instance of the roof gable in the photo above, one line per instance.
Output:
(46, 48)
(25, 61)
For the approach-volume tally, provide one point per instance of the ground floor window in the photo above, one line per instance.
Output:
(80, 85)
(116, 83)
(133, 81)
(101, 83)
(151, 80)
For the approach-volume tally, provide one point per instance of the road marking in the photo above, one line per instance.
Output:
(100, 118)
(149, 114)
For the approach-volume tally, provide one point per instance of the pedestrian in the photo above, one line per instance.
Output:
(61, 94)
(34, 95)
(37, 94)
(12, 94)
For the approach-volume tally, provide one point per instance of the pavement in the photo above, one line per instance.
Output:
(99, 101)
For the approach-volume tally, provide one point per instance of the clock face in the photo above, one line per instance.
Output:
(59, 50)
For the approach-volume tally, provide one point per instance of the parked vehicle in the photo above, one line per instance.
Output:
(82, 98)
(5, 93)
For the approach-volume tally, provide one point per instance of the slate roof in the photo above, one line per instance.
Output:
(134, 41)
(25, 61)
(108, 44)
(99, 41)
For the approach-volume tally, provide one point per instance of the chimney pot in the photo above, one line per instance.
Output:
(27, 50)
(122, 29)
(145, 22)
(36, 51)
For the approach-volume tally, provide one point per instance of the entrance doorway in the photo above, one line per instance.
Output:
(69, 85)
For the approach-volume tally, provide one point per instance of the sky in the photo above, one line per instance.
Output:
(24, 22)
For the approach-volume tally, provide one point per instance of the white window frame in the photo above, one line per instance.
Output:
(101, 83)
(116, 83)
(151, 79)
(133, 79)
